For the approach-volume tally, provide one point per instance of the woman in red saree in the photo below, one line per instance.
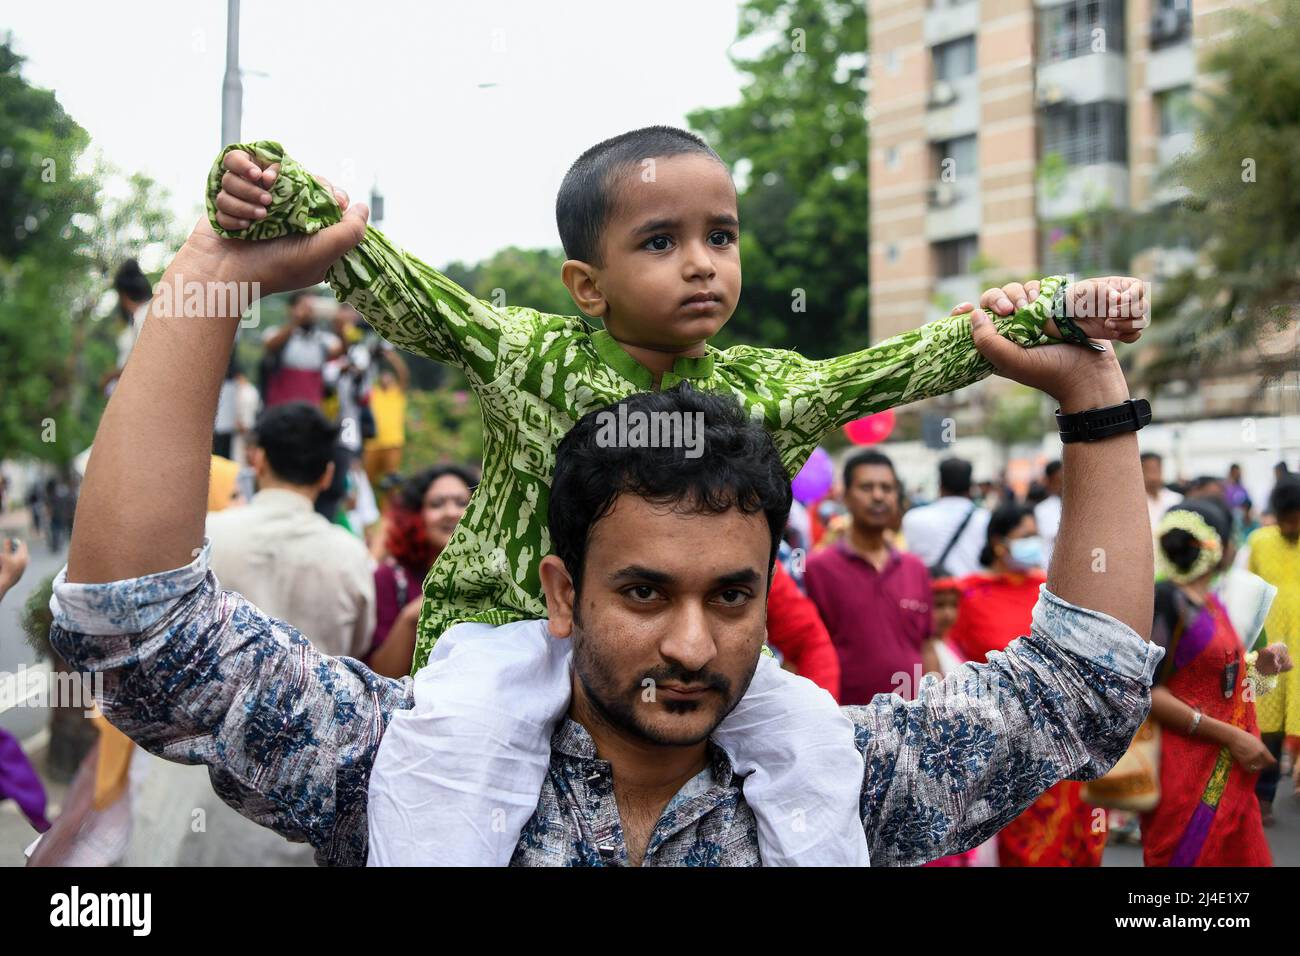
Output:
(1210, 748)
(1058, 829)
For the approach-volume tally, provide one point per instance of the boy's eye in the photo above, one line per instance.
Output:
(727, 236)
(651, 243)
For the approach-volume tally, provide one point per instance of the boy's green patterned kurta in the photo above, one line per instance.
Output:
(537, 374)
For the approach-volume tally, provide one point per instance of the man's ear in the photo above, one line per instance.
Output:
(560, 595)
(581, 281)
(326, 479)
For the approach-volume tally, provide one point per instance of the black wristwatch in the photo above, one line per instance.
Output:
(1094, 424)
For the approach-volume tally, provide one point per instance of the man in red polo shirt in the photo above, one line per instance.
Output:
(874, 599)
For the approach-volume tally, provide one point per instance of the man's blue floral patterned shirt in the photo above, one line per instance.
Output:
(197, 674)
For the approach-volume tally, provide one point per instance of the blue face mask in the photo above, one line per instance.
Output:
(1025, 552)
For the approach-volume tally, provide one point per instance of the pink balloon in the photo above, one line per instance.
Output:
(872, 429)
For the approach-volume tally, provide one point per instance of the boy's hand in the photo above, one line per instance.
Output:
(1077, 378)
(1111, 307)
(277, 265)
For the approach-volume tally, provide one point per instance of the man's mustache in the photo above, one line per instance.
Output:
(692, 680)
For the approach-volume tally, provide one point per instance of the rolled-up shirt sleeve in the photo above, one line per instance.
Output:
(199, 675)
(946, 771)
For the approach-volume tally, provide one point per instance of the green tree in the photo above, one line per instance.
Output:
(797, 143)
(62, 234)
(1242, 208)
(514, 276)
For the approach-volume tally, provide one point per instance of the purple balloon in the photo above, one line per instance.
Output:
(814, 478)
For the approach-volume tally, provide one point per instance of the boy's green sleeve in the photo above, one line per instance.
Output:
(408, 303)
(934, 359)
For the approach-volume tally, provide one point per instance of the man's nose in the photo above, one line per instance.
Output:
(689, 641)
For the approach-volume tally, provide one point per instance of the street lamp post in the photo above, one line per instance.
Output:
(232, 87)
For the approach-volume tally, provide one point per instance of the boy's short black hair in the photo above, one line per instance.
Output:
(868, 456)
(587, 197)
(298, 441)
(739, 467)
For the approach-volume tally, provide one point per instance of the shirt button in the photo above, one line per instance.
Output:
(607, 850)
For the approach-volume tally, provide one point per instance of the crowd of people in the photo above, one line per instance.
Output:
(903, 589)
(871, 593)
(550, 613)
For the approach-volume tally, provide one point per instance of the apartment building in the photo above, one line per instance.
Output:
(1003, 131)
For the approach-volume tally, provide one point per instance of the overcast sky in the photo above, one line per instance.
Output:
(386, 90)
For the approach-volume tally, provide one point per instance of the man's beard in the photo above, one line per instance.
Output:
(617, 707)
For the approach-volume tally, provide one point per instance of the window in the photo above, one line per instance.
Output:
(1175, 110)
(1086, 134)
(961, 152)
(1071, 29)
(1171, 22)
(955, 257)
(954, 59)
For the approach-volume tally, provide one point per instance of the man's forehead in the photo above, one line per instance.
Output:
(673, 538)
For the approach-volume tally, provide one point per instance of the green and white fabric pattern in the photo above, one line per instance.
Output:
(536, 374)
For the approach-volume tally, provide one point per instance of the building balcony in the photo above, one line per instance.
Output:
(952, 210)
(949, 20)
(954, 108)
(1171, 66)
(1085, 187)
(1083, 79)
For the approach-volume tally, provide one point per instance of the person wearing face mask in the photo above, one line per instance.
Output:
(419, 521)
(994, 607)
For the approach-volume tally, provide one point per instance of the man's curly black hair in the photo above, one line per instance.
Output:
(739, 467)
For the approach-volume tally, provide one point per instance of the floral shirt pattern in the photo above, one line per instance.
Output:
(536, 374)
(197, 674)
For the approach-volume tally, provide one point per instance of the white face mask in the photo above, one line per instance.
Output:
(1025, 553)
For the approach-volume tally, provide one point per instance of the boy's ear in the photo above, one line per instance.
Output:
(560, 595)
(580, 279)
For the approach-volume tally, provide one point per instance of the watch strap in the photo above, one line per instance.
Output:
(1094, 424)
